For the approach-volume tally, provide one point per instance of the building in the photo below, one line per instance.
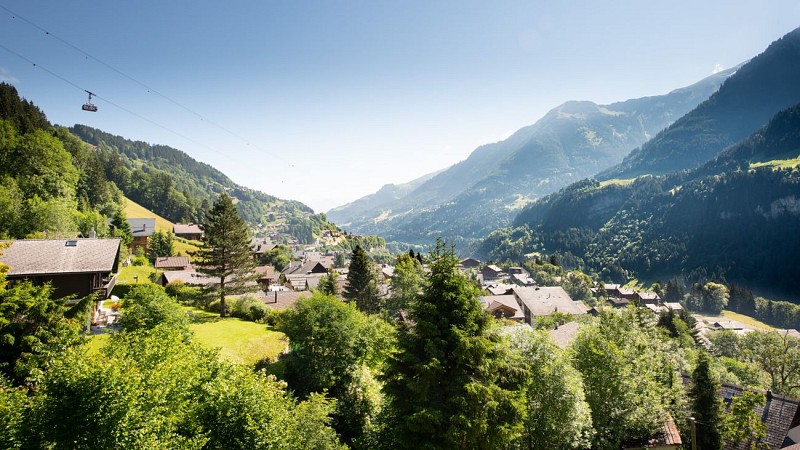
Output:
(188, 231)
(503, 307)
(77, 267)
(469, 263)
(545, 301)
(172, 263)
(141, 229)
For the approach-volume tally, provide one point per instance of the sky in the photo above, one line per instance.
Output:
(327, 101)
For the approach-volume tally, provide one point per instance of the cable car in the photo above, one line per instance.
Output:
(89, 106)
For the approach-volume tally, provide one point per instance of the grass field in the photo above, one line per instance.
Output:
(134, 210)
(238, 341)
(778, 163)
(617, 181)
(747, 320)
(126, 274)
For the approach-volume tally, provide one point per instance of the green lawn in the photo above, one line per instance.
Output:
(126, 274)
(237, 340)
(134, 210)
(747, 320)
(778, 163)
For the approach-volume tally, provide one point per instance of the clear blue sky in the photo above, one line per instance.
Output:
(326, 101)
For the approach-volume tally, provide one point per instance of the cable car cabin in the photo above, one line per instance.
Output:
(89, 107)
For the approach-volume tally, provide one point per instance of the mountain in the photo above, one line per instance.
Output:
(173, 184)
(735, 219)
(470, 199)
(765, 85)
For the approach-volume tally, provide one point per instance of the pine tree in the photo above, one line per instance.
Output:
(225, 251)
(706, 404)
(122, 229)
(361, 285)
(444, 383)
(327, 284)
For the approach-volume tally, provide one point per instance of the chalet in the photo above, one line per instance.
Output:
(491, 273)
(188, 231)
(303, 281)
(172, 263)
(518, 271)
(544, 301)
(469, 263)
(73, 266)
(618, 302)
(266, 276)
(304, 268)
(503, 306)
(522, 280)
(647, 298)
(259, 246)
(188, 276)
(281, 299)
(500, 289)
(617, 291)
(141, 229)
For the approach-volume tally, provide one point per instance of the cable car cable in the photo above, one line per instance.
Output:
(148, 88)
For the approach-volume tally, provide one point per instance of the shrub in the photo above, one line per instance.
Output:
(249, 308)
(139, 261)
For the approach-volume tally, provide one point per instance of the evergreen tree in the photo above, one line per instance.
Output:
(706, 404)
(327, 285)
(673, 292)
(160, 245)
(445, 382)
(122, 229)
(361, 285)
(225, 251)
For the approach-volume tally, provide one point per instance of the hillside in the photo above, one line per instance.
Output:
(468, 200)
(734, 219)
(176, 186)
(744, 103)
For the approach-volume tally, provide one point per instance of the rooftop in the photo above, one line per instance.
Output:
(60, 256)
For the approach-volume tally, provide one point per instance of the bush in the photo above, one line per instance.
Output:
(139, 261)
(249, 308)
(183, 292)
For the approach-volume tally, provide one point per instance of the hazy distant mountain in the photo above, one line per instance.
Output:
(747, 100)
(735, 218)
(468, 200)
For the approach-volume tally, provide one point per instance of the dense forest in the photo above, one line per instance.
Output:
(733, 219)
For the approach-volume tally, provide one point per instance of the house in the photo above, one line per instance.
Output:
(544, 301)
(618, 302)
(303, 281)
(519, 271)
(469, 263)
(503, 306)
(188, 276)
(304, 268)
(73, 266)
(188, 231)
(491, 273)
(281, 299)
(500, 289)
(259, 246)
(172, 263)
(647, 298)
(141, 229)
(522, 280)
(266, 276)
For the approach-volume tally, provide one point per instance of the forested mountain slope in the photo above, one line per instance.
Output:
(746, 101)
(468, 200)
(735, 218)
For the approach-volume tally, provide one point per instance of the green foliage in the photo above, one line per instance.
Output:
(406, 282)
(628, 377)
(327, 285)
(778, 354)
(225, 251)
(706, 404)
(742, 424)
(155, 389)
(334, 346)
(711, 297)
(449, 383)
(139, 261)
(361, 283)
(34, 328)
(250, 308)
(279, 257)
(13, 404)
(159, 245)
(146, 306)
(558, 416)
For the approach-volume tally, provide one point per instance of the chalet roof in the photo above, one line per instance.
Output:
(648, 296)
(261, 245)
(469, 262)
(186, 228)
(667, 436)
(265, 272)
(494, 268)
(281, 299)
(500, 289)
(565, 334)
(61, 256)
(189, 276)
(544, 301)
(675, 306)
(172, 261)
(298, 268)
(142, 227)
(508, 302)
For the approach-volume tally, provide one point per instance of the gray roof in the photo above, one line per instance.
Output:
(493, 302)
(172, 261)
(186, 228)
(189, 276)
(142, 227)
(544, 301)
(55, 256)
(565, 334)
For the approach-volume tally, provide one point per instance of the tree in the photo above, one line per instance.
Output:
(778, 354)
(627, 376)
(742, 424)
(578, 285)
(122, 229)
(327, 285)
(278, 257)
(673, 292)
(406, 282)
(147, 305)
(225, 251)
(334, 347)
(449, 384)
(160, 245)
(361, 284)
(558, 416)
(706, 404)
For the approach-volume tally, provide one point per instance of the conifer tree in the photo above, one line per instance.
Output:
(361, 287)
(122, 229)
(706, 404)
(327, 285)
(225, 251)
(445, 382)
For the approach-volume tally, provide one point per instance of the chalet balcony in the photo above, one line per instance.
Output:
(108, 284)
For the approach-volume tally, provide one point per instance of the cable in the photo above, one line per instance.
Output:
(39, 66)
(148, 88)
